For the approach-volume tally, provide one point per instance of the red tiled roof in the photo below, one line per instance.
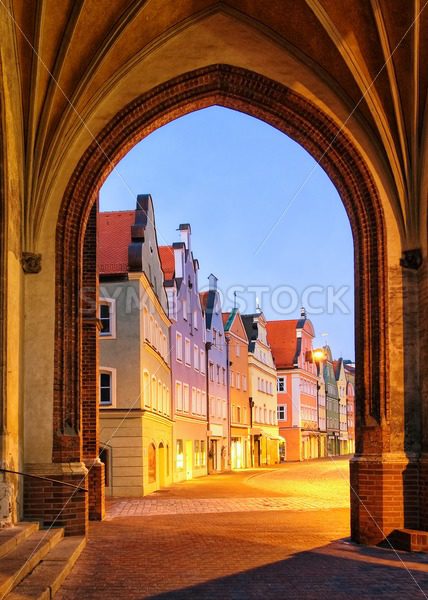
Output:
(282, 339)
(114, 237)
(204, 299)
(166, 254)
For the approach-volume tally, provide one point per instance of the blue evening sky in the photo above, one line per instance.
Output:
(266, 219)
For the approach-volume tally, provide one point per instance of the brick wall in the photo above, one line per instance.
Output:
(89, 370)
(57, 505)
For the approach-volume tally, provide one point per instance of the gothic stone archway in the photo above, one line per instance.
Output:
(75, 412)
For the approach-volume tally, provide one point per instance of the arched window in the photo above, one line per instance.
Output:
(152, 463)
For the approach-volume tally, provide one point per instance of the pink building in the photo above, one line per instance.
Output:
(297, 386)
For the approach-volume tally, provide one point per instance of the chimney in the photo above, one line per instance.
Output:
(212, 282)
(179, 248)
(303, 312)
(185, 232)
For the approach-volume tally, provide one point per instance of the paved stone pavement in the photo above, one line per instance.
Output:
(263, 549)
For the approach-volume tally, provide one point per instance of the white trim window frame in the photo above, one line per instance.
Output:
(110, 333)
(112, 396)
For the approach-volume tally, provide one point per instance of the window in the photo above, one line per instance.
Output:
(196, 357)
(107, 387)
(282, 412)
(187, 352)
(172, 304)
(194, 404)
(178, 395)
(280, 384)
(218, 373)
(186, 391)
(179, 455)
(198, 402)
(238, 381)
(146, 388)
(154, 394)
(238, 414)
(214, 337)
(223, 376)
(184, 305)
(203, 452)
(204, 404)
(238, 349)
(244, 383)
(146, 322)
(196, 453)
(179, 346)
(160, 396)
(202, 361)
(232, 379)
(107, 313)
(211, 371)
(195, 319)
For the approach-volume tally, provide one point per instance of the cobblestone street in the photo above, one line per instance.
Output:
(277, 533)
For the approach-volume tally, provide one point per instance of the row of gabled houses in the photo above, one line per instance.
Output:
(187, 389)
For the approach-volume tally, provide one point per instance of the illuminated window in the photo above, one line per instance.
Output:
(179, 455)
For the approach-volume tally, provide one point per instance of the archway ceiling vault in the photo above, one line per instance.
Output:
(89, 46)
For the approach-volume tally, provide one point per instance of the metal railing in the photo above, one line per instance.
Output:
(65, 483)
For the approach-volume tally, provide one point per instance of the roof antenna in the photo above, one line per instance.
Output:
(234, 300)
(258, 308)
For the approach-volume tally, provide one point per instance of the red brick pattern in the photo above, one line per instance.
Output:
(384, 497)
(57, 505)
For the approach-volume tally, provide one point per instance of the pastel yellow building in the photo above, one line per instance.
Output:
(135, 376)
(265, 438)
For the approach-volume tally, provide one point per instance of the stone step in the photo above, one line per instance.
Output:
(48, 576)
(20, 561)
(12, 536)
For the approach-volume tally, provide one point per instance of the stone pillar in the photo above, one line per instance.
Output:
(89, 372)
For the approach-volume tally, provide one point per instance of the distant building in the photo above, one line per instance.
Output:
(297, 380)
(350, 404)
(218, 416)
(339, 370)
(265, 437)
(332, 404)
(135, 378)
(237, 346)
(188, 358)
